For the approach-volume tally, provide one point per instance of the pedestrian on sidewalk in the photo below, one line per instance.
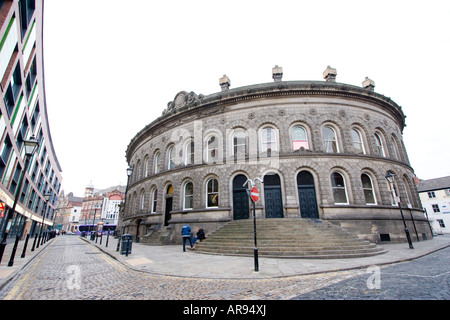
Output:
(186, 234)
(200, 235)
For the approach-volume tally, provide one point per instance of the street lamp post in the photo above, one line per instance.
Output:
(47, 198)
(30, 147)
(255, 250)
(390, 177)
(129, 172)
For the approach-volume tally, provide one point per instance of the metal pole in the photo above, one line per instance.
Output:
(429, 224)
(414, 224)
(11, 260)
(255, 251)
(408, 237)
(11, 210)
(34, 242)
(25, 246)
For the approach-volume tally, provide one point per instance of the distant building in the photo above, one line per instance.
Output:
(435, 197)
(68, 212)
(101, 205)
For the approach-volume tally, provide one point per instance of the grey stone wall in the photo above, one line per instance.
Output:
(245, 110)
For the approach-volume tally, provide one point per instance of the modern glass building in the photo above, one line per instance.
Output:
(23, 116)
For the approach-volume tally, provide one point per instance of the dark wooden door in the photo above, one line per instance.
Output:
(273, 197)
(241, 207)
(307, 195)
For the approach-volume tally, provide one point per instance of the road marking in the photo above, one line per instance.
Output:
(18, 286)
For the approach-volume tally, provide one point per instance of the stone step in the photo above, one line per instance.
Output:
(286, 237)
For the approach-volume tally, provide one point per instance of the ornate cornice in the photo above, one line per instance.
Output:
(187, 107)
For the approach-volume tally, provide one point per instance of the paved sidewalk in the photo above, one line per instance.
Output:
(172, 261)
(6, 272)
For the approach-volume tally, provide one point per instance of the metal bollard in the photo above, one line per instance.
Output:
(11, 260)
(25, 246)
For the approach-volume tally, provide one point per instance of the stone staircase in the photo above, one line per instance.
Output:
(156, 236)
(287, 238)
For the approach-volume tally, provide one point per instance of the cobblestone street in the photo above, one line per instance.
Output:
(70, 268)
(426, 278)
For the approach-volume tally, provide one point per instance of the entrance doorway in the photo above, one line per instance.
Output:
(272, 196)
(241, 207)
(169, 202)
(307, 195)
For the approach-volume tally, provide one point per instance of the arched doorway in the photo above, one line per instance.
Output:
(307, 195)
(169, 202)
(138, 229)
(241, 207)
(272, 196)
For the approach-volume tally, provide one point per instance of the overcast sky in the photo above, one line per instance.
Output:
(112, 66)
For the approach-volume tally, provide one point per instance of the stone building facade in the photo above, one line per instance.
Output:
(322, 149)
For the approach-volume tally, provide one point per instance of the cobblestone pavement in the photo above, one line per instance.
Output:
(72, 269)
(426, 278)
(69, 269)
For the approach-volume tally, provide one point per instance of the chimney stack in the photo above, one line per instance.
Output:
(224, 83)
(330, 74)
(277, 73)
(368, 84)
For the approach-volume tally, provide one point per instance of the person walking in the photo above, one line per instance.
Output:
(186, 234)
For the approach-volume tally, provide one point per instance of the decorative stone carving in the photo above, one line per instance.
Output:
(181, 100)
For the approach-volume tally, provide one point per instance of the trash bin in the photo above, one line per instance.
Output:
(92, 235)
(127, 240)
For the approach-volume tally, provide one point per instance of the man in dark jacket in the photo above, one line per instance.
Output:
(186, 234)
(200, 235)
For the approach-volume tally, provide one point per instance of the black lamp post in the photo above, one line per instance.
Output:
(30, 147)
(390, 177)
(47, 198)
(255, 250)
(129, 173)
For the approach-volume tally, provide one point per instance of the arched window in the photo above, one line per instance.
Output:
(239, 144)
(329, 140)
(212, 149)
(189, 152)
(146, 166)
(157, 162)
(171, 158)
(406, 189)
(154, 200)
(268, 140)
(299, 138)
(369, 194)
(379, 144)
(395, 148)
(137, 171)
(212, 193)
(188, 202)
(357, 142)
(338, 186)
(142, 206)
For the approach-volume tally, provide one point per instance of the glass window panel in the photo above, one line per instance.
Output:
(329, 140)
(338, 186)
(357, 141)
(299, 138)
